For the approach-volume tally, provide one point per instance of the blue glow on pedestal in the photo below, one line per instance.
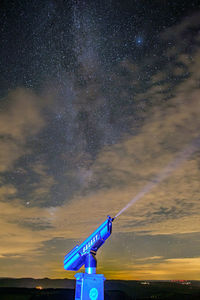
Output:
(89, 286)
(93, 294)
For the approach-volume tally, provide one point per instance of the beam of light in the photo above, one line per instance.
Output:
(180, 158)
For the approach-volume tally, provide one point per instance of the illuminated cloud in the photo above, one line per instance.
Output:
(169, 269)
(20, 119)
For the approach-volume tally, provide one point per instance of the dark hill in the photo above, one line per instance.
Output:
(60, 289)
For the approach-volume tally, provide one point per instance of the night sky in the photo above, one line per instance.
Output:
(96, 98)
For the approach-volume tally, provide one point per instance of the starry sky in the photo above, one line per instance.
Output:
(96, 98)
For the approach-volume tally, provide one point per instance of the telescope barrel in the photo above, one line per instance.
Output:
(75, 259)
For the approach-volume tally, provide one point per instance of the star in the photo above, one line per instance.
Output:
(139, 41)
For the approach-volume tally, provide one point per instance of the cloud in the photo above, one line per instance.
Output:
(6, 191)
(179, 31)
(9, 153)
(17, 239)
(41, 188)
(171, 269)
(168, 269)
(20, 119)
(150, 258)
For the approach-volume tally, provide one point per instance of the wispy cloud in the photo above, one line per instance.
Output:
(20, 119)
(150, 258)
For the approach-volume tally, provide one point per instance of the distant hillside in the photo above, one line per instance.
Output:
(32, 283)
(53, 294)
(114, 289)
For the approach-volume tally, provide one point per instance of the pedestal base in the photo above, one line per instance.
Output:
(89, 286)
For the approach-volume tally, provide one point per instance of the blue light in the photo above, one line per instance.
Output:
(89, 286)
(93, 294)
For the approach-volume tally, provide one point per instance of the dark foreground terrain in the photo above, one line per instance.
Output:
(114, 290)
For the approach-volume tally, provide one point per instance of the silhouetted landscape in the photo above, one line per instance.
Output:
(60, 289)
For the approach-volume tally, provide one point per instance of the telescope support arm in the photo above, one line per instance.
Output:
(90, 263)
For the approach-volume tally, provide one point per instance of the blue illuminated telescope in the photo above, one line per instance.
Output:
(78, 256)
(89, 285)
